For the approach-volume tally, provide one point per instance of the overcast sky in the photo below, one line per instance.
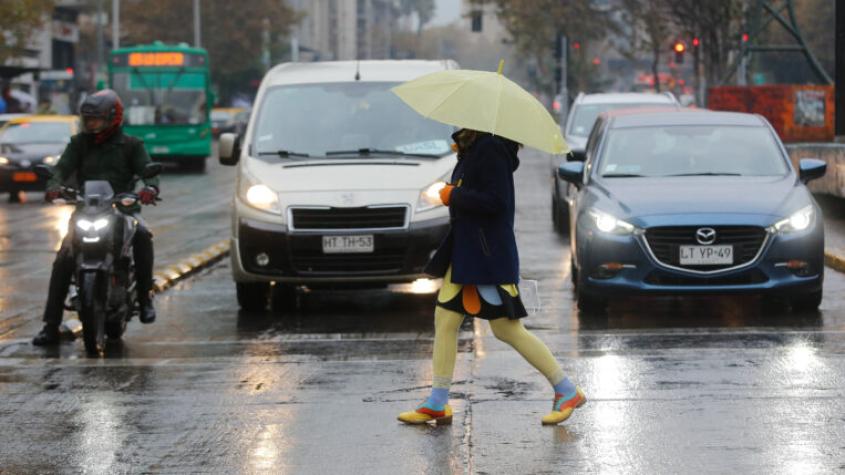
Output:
(447, 12)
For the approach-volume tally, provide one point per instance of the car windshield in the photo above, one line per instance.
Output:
(691, 150)
(586, 115)
(152, 97)
(321, 119)
(35, 132)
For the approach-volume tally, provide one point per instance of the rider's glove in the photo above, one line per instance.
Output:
(52, 195)
(148, 195)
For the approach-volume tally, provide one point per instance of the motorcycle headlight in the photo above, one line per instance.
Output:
(96, 225)
(430, 195)
(607, 223)
(50, 160)
(259, 195)
(798, 221)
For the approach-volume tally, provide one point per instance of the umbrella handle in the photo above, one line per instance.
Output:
(501, 66)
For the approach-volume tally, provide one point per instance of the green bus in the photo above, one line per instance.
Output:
(167, 98)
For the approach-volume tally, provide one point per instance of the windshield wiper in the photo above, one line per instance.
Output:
(284, 154)
(622, 175)
(363, 152)
(707, 174)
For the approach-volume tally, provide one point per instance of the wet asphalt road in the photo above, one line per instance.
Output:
(674, 386)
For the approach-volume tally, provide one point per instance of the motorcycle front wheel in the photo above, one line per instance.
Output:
(92, 314)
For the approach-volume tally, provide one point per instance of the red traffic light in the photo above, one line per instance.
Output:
(679, 47)
(745, 37)
(696, 42)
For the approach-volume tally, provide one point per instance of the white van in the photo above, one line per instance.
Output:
(337, 180)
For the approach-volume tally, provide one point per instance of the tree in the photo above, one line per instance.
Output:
(536, 24)
(231, 32)
(19, 20)
(649, 29)
(423, 8)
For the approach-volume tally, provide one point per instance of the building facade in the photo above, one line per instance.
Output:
(345, 29)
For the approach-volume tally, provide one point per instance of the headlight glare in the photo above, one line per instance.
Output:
(607, 223)
(798, 221)
(100, 224)
(51, 160)
(84, 224)
(258, 195)
(4, 161)
(430, 195)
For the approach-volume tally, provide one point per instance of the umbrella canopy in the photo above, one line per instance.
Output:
(484, 101)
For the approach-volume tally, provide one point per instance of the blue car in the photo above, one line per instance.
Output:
(692, 202)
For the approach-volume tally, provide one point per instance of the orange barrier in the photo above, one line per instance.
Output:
(799, 113)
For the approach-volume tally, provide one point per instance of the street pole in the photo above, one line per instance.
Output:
(115, 24)
(197, 31)
(564, 72)
(839, 46)
(100, 41)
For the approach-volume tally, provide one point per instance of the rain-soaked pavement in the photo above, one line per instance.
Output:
(674, 386)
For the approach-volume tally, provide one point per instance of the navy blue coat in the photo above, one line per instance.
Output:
(481, 245)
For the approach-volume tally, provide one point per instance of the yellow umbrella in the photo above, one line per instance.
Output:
(484, 101)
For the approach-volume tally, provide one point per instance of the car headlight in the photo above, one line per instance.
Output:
(51, 160)
(430, 195)
(799, 221)
(607, 223)
(4, 161)
(96, 225)
(259, 195)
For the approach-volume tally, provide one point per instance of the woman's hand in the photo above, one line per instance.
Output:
(446, 193)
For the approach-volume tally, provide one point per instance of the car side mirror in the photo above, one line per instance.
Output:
(151, 170)
(572, 172)
(811, 168)
(43, 171)
(229, 149)
(577, 156)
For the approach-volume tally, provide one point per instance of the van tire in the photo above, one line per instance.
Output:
(283, 298)
(252, 296)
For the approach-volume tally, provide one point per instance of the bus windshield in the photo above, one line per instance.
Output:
(162, 97)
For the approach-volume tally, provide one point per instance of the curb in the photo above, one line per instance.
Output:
(176, 273)
(834, 261)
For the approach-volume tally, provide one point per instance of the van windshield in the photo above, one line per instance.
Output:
(320, 119)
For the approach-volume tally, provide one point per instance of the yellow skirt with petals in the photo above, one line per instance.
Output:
(483, 301)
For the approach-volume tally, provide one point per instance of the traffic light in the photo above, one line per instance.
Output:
(679, 48)
(696, 42)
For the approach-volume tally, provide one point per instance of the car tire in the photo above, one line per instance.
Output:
(252, 296)
(283, 298)
(560, 216)
(15, 197)
(807, 303)
(194, 165)
(573, 272)
(588, 304)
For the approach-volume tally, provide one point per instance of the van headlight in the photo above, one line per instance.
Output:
(430, 195)
(798, 221)
(607, 223)
(259, 195)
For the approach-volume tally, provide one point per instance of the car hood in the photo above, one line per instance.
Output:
(30, 151)
(351, 174)
(658, 201)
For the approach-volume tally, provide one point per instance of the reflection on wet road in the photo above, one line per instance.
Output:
(673, 385)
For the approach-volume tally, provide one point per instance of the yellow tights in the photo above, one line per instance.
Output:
(446, 326)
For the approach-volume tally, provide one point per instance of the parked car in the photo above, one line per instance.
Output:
(223, 119)
(582, 115)
(693, 202)
(346, 196)
(29, 141)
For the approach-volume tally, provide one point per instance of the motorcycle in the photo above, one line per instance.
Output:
(103, 288)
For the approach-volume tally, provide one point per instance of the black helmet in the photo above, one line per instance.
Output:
(105, 105)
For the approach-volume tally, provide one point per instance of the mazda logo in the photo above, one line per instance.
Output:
(705, 236)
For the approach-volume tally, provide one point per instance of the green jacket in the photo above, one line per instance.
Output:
(117, 161)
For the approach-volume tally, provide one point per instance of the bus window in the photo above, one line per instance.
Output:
(162, 97)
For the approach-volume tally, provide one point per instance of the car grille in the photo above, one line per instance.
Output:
(665, 243)
(379, 262)
(349, 218)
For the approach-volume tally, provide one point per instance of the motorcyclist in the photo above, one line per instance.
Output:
(101, 152)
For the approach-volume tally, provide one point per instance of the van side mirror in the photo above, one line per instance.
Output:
(577, 156)
(229, 149)
(811, 168)
(572, 172)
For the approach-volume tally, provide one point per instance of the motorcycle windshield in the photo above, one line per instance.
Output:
(98, 193)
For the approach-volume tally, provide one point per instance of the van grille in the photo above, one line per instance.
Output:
(349, 218)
